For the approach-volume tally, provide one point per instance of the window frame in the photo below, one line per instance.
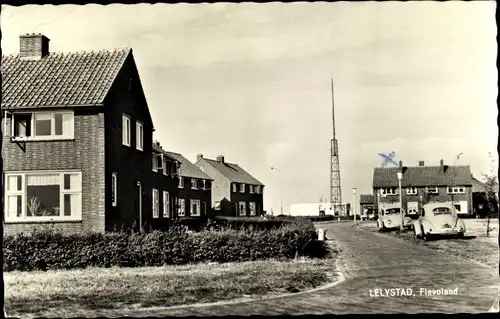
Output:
(235, 188)
(166, 204)
(257, 189)
(409, 191)
(181, 207)
(242, 188)
(433, 190)
(254, 211)
(198, 207)
(181, 182)
(53, 136)
(244, 208)
(156, 203)
(78, 190)
(126, 140)
(456, 189)
(139, 136)
(114, 189)
(250, 189)
(394, 191)
(194, 183)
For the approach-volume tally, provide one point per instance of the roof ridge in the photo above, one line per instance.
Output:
(63, 53)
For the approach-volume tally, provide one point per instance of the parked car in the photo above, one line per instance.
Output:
(438, 219)
(391, 219)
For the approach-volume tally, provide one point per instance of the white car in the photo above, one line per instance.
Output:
(438, 219)
(390, 219)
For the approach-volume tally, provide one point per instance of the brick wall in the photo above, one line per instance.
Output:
(247, 197)
(85, 153)
(442, 196)
(205, 197)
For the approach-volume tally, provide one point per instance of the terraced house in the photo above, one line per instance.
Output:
(78, 138)
(194, 189)
(421, 184)
(234, 191)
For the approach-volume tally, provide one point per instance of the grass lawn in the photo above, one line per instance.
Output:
(37, 293)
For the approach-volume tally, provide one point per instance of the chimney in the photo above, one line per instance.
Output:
(199, 156)
(421, 163)
(33, 46)
(157, 143)
(220, 159)
(400, 164)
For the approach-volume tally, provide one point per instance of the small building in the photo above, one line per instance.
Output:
(480, 192)
(234, 191)
(366, 204)
(421, 184)
(194, 189)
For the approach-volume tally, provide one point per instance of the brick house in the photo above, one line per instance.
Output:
(194, 189)
(77, 146)
(234, 191)
(421, 184)
(164, 179)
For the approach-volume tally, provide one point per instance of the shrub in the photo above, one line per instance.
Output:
(45, 250)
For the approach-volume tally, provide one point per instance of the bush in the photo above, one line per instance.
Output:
(45, 250)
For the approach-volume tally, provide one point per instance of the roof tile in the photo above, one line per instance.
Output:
(60, 79)
(234, 172)
(422, 176)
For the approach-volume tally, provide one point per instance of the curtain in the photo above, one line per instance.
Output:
(42, 180)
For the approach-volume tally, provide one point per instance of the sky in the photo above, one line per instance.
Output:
(252, 82)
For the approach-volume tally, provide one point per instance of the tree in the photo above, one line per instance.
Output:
(491, 195)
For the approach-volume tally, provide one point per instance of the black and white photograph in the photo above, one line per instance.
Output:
(229, 159)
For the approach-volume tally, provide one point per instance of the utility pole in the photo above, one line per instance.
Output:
(354, 204)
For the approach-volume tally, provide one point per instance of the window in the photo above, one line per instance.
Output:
(441, 211)
(208, 185)
(180, 208)
(175, 168)
(126, 130)
(166, 166)
(217, 206)
(139, 136)
(194, 183)
(195, 207)
(257, 189)
(43, 196)
(43, 125)
(166, 204)
(242, 209)
(234, 187)
(181, 182)
(456, 190)
(157, 162)
(432, 190)
(250, 189)
(114, 189)
(411, 191)
(156, 204)
(390, 191)
(252, 208)
(242, 188)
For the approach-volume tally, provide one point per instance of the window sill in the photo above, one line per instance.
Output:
(44, 221)
(49, 139)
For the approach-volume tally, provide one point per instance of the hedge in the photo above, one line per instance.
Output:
(44, 250)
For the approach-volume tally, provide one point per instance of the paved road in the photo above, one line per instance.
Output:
(372, 261)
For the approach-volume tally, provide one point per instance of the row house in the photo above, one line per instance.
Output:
(421, 184)
(194, 189)
(234, 191)
(78, 141)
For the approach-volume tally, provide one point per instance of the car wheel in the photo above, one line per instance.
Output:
(381, 227)
(426, 237)
(460, 235)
